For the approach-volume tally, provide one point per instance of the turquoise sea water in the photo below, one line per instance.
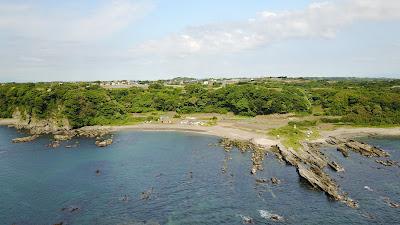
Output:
(183, 173)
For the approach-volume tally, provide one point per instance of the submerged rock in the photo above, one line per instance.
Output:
(124, 198)
(54, 144)
(335, 166)
(261, 180)
(275, 180)
(146, 194)
(267, 215)
(391, 203)
(70, 209)
(387, 162)
(246, 219)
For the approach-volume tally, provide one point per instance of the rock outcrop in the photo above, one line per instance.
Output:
(363, 149)
(60, 128)
(310, 163)
(37, 126)
(104, 143)
(258, 152)
(335, 166)
(25, 139)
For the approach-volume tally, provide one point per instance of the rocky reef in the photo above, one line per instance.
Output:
(25, 139)
(258, 152)
(310, 162)
(344, 146)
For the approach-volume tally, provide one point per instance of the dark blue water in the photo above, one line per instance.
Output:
(37, 182)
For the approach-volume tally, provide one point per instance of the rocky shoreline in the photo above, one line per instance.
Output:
(101, 134)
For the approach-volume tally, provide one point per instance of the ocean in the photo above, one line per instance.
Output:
(177, 178)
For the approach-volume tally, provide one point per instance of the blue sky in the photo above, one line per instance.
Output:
(158, 39)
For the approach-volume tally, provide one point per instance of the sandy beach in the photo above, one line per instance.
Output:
(218, 130)
(258, 137)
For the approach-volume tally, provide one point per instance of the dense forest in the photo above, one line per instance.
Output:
(362, 102)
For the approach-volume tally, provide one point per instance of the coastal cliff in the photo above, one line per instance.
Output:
(37, 126)
(60, 128)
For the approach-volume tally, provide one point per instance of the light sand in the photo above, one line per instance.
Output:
(346, 132)
(220, 131)
(7, 121)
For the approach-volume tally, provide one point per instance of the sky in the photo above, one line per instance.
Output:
(77, 40)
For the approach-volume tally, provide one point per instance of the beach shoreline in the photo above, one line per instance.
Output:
(257, 137)
(236, 132)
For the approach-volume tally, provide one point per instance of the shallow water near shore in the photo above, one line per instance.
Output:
(182, 172)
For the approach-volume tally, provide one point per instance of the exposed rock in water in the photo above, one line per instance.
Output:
(319, 179)
(146, 194)
(25, 139)
(93, 132)
(275, 180)
(334, 165)
(104, 143)
(391, 203)
(310, 163)
(387, 162)
(343, 150)
(356, 146)
(257, 155)
(64, 136)
(242, 145)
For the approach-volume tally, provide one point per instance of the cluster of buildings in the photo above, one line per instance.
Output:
(179, 81)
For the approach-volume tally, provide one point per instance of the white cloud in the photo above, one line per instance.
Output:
(30, 22)
(322, 19)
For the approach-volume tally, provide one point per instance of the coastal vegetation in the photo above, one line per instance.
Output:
(295, 132)
(353, 102)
